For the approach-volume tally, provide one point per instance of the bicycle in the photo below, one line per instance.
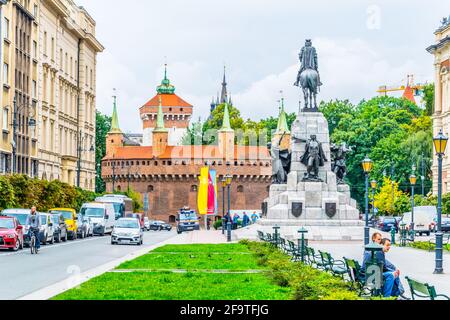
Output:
(33, 248)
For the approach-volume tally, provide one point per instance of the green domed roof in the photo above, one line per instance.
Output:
(165, 87)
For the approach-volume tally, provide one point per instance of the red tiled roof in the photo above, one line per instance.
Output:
(409, 94)
(168, 100)
(191, 152)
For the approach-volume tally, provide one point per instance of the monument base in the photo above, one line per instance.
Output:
(317, 230)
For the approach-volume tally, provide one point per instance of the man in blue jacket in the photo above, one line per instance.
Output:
(392, 287)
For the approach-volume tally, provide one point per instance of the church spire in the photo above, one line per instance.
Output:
(115, 117)
(224, 95)
(226, 126)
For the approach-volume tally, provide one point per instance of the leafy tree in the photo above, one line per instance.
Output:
(382, 128)
(390, 200)
(7, 196)
(102, 127)
(194, 134)
(429, 99)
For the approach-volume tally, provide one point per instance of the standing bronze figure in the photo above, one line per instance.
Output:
(281, 162)
(313, 158)
(338, 165)
(308, 77)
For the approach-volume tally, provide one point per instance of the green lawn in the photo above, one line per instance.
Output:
(200, 285)
(193, 261)
(176, 286)
(209, 248)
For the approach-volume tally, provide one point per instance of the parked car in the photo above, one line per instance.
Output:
(85, 227)
(20, 214)
(166, 226)
(445, 224)
(147, 223)
(156, 225)
(47, 231)
(70, 217)
(423, 219)
(102, 216)
(127, 231)
(386, 224)
(60, 227)
(11, 233)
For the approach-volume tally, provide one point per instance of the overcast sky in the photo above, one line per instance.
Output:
(361, 45)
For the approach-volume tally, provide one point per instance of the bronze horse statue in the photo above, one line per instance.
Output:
(308, 77)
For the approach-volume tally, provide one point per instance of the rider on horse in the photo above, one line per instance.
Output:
(308, 58)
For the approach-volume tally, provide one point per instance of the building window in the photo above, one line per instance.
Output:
(119, 188)
(6, 28)
(150, 189)
(240, 189)
(35, 10)
(172, 219)
(5, 73)
(5, 119)
(35, 49)
(33, 89)
(194, 188)
(53, 49)
(45, 43)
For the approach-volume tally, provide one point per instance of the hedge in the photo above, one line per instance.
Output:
(20, 191)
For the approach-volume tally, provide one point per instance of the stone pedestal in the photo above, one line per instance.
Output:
(300, 203)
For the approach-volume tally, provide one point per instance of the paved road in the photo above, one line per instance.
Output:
(23, 273)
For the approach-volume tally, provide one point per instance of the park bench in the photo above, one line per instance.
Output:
(270, 239)
(432, 241)
(336, 267)
(315, 260)
(282, 244)
(357, 282)
(423, 290)
(291, 249)
(261, 236)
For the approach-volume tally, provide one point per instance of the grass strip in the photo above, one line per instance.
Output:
(175, 286)
(199, 260)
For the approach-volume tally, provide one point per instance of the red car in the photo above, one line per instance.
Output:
(11, 234)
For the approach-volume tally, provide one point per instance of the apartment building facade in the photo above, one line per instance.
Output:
(60, 89)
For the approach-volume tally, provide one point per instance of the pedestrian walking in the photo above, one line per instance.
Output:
(245, 220)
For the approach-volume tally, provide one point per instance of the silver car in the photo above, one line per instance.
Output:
(127, 231)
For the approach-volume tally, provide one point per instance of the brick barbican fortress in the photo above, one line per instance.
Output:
(168, 172)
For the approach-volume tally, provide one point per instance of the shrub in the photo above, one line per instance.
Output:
(306, 282)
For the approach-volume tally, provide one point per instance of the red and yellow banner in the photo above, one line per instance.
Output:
(207, 192)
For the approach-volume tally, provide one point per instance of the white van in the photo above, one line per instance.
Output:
(423, 219)
(102, 216)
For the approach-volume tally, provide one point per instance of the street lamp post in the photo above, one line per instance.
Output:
(17, 125)
(412, 180)
(229, 179)
(367, 165)
(440, 144)
(80, 150)
(224, 185)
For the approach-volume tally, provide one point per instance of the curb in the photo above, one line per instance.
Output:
(76, 280)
